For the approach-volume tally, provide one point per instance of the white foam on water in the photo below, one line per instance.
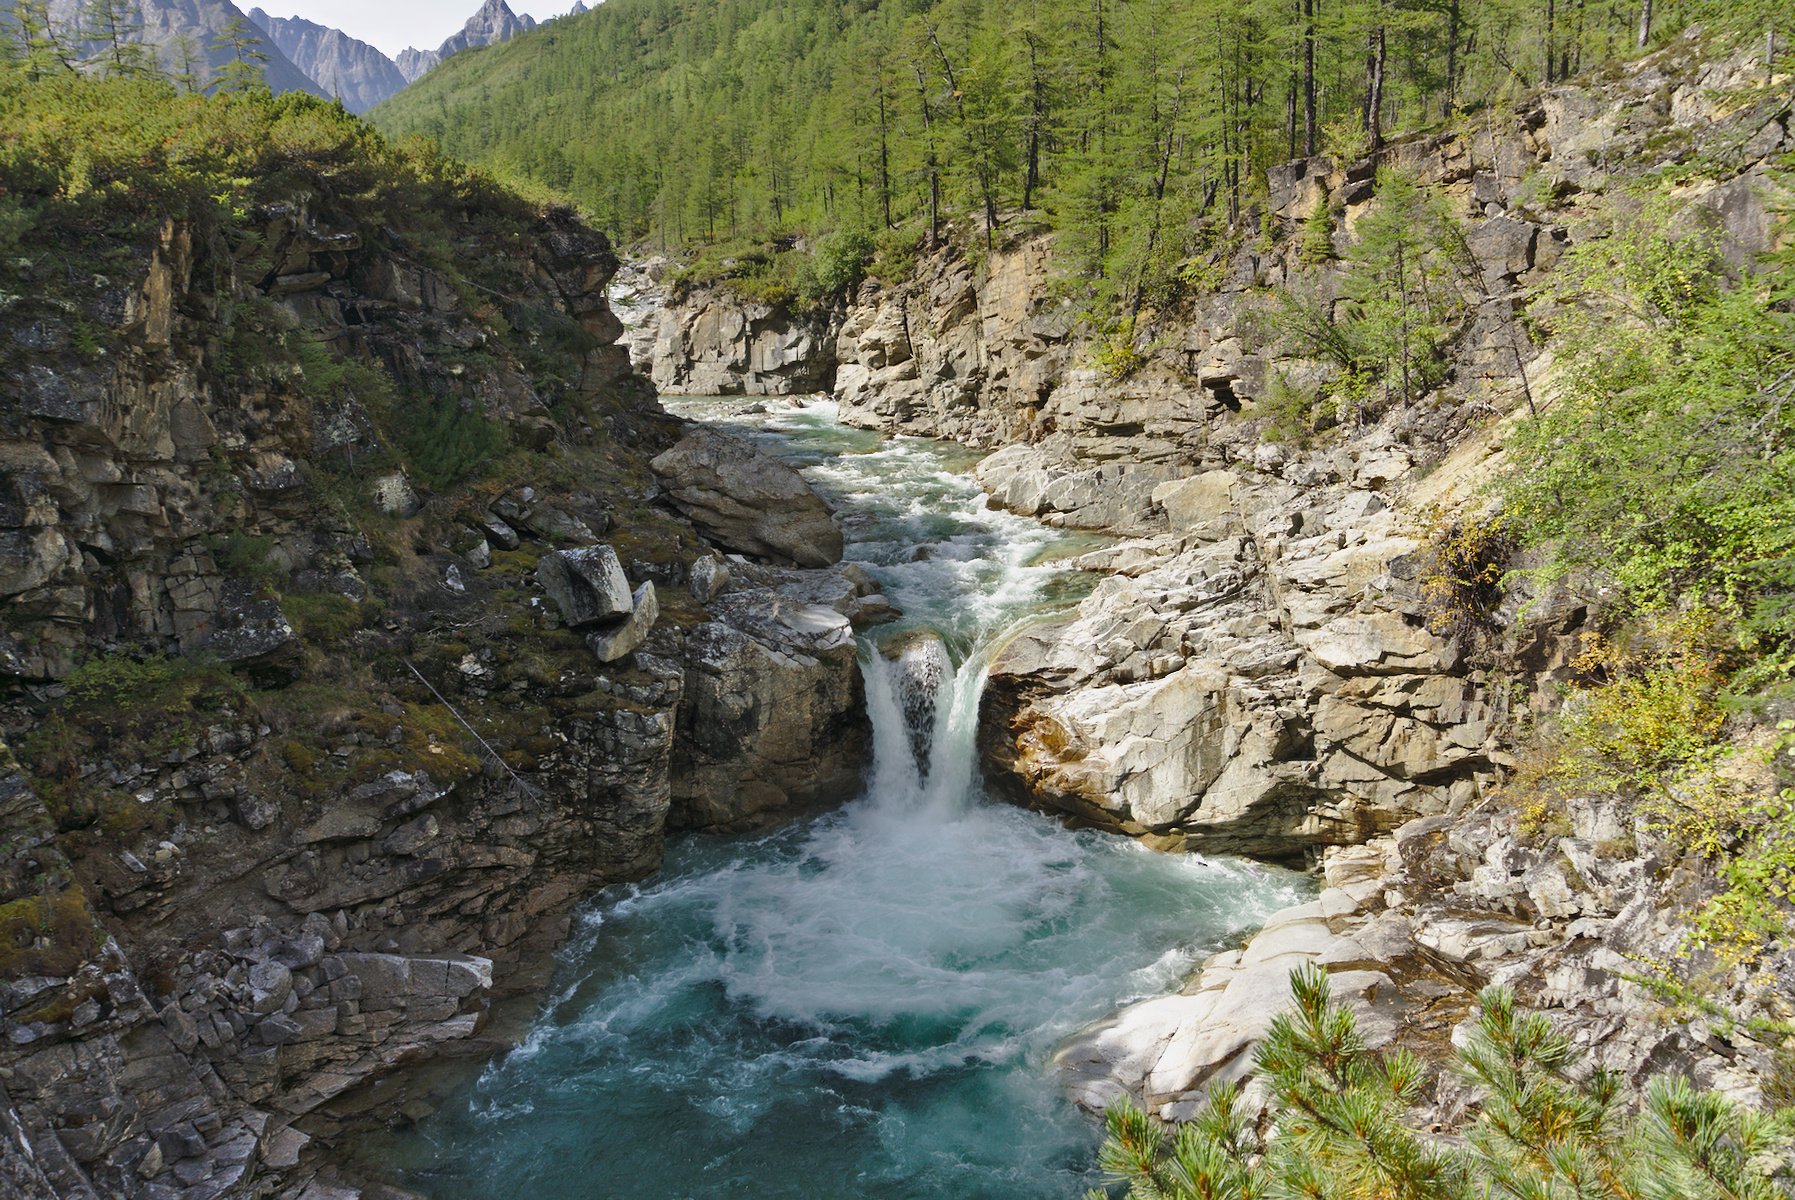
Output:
(862, 1004)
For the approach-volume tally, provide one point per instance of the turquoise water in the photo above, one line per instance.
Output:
(863, 1004)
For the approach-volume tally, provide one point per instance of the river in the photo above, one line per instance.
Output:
(861, 1004)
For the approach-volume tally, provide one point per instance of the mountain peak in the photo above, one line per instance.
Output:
(355, 72)
(494, 23)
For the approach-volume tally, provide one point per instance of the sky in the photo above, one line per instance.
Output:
(393, 25)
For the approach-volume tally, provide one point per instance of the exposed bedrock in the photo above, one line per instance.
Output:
(402, 730)
(746, 501)
(1234, 687)
(1256, 672)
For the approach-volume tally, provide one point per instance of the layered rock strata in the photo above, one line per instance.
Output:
(1259, 669)
(313, 760)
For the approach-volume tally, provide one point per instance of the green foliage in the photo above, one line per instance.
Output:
(1407, 277)
(1133, 131)
(1753, 839)
(444, 441)
(129, 708)
(1667, 465)
(1649, 722)
(1342, 1129)
(242, 71)
(115, 683)
(15, 221)
(49, 935)
(1293, 415)
(1317, 245)
(246, 556)
(837, 265)
(756, 271)
(322, 619)
(1408, 286)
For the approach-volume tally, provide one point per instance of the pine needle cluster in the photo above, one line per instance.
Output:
(1341, 1124)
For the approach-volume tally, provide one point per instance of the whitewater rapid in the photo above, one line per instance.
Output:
(862, 1004)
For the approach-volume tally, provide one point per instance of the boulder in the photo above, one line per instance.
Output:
(710, 575)
(747, 501)
(628, 637)
(587, 585)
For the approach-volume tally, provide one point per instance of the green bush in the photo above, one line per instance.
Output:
(1341, 1125)
(837, 265)
(1667, 466)
(246, 556)
(444, 442)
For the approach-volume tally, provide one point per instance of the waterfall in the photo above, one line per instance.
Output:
(924, 712)
(861, 1002)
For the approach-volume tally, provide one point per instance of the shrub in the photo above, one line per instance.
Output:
(837, 266)
(1667, 466)
(1341, 1127)
(444, 442)
(1317, 245)
(246, 556)
(1463, 562)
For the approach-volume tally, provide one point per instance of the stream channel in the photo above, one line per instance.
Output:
(863, 1003)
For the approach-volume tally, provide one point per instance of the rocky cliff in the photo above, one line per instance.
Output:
(492, 24)
(345, 643)
(167, 25)
(345, 68)
(1265, 668)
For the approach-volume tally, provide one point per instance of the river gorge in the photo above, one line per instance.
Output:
(867, 1000)
(487, 710)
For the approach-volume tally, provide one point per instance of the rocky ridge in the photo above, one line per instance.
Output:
(492, 24)
(165, 23)
(1261, 671)
(344, 67)
(315, 753)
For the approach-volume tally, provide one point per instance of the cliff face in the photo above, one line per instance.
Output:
(166, 23)
(313, 746)
(1263, 669)
(492, 24)
(349, 70)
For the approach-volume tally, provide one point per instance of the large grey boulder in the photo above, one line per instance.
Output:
(623, 641)
(747, 501)
(587, 585)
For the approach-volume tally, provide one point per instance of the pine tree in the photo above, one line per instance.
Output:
(244, 71)
(43, 51)
(1340, 1126)
(191, 71)
(113, 28)
(1407, 266)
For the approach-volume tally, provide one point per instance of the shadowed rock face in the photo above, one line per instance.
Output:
(747, 501)
(350, 70)
(362, 833)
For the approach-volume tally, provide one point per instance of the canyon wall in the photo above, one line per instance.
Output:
(312, 755)
(1267, 666)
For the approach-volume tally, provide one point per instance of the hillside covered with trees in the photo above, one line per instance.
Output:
(1134, 129)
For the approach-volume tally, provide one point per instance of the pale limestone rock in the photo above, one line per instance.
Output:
(748, 501)
(587, 585)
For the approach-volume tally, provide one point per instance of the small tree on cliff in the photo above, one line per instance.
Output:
(1403, 280)
(1341, 1128)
